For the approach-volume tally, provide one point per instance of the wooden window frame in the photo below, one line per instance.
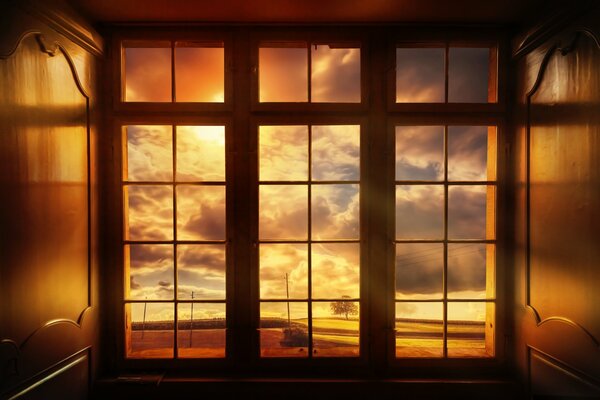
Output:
(242, 113)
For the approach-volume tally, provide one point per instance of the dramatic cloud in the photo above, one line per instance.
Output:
(335, 212)
(150, 269)
(283, 212)
(283, 74)
(200, 153)
(336, 152)
(148, 74)
(283, 153)
(419, 270)
(467, 153)
(201, 270)
(467, 270)
(335, 74)
(150, 212)
(420, 76)
(467, 212)
(149, 153)
(199, 74)
(275, 261)
(468, 72)
(420, 153)
(200, 212)
(419, 212)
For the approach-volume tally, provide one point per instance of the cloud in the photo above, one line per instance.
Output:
(201, 269)
(164, 284)
(275, 261)
(283, 153)
(336, 270)
(336, 152)
(200, 212)
(467, 212)
(420, 75)
(467, 153)
(335, 74)
(200, 153)
(283, 212)
(419, 270)
(419, 212)
(467, 270)
(150, 215)
(283, 74)
(335, 212)
(468, 72)
(199, 73)
(420, 153)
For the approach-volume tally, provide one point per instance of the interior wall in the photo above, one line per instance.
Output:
(556, 153)
(48, 206)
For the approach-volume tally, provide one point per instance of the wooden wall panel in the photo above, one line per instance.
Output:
(48, 229)
(556, 160)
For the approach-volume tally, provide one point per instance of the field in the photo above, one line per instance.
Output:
(332, 337)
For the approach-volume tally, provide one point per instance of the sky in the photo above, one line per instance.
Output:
(284, 157)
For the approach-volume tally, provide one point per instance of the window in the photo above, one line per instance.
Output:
(269, 216)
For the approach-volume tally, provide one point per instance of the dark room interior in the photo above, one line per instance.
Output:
(334, 199)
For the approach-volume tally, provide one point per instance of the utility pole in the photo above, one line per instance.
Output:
(287, 295)
(192, 320)
(144, 319)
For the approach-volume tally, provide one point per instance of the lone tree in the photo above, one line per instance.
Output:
(345, 308)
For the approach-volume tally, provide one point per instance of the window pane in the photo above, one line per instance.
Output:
(283, 74)
(201, 330)
(471, 212)
(335, 212)
(199, 73)
(420, 75)
(149, 272)
(201, 272)
(149, 330)
(467, 266)
(336, 153)
(419, 212)
(148, 74)
(335, 74)
(468, 150)
(336, 329)
(468, 74)
(284, 329)
(200, 212)
(200, 153)
(283, 271)
(335, 270)
(420, 153)
(148, 212)
(471, 329)
(283, 153)
(283, 212)
(419, 329)
(149, 155)
(419, 270)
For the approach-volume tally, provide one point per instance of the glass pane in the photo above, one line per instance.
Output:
(149, 153)
(149, 272)
(420, 75)
(468, 74)
(283, 271)
(468, 153)
(200, 153)
(283, 74)
(335, 74)
(149, 330)
(336, 153)
(283, 153)
(200, 212)
(201, 272)
(148, 74)
(467, 264)
(283, 212)
(471, 212)
(471, 329)
(284, 329)
(201, 330)
(335, 270)
(419, 212)
(419, 330)
(419, 270)
(336, 329)
(335, 212)
(420, 153)
(199, 73)
(148, 212)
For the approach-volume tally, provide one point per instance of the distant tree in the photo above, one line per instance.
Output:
(344, 308)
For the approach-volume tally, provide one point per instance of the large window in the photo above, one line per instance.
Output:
(286, 200)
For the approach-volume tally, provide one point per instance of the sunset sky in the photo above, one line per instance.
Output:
(283, 156)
